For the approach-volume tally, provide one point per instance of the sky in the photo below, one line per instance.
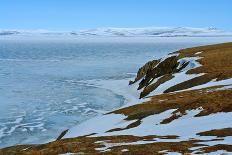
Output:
(87, 14)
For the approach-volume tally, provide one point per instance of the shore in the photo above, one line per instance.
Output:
(186, 109)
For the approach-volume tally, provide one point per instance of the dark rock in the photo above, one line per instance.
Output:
(144, 70)
(152, 87)
(162, 69)
(62, 134)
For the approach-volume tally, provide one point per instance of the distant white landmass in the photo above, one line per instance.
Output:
(129, 32)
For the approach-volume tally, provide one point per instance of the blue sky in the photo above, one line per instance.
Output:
(84, 14)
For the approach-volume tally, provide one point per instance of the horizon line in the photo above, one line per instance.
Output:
(109, 27)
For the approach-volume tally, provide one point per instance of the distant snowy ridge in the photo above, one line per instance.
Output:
(156, 32)
(31, 32)
(129, 32)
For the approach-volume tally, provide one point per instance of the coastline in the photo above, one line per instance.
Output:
(120, 87)
(112, 39)
(180, 118)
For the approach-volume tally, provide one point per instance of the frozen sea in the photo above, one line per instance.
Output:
(44, 83)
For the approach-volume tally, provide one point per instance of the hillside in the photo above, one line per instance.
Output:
(187, 109)
(156, 32)
(126, 32)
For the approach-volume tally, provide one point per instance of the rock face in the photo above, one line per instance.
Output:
(62, 134)
(162, 69)
(157, 73)
(144, 70)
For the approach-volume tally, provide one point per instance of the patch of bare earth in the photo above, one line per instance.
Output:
(217, 132)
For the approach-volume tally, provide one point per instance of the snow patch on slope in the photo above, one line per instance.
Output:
(180, 77)
(213, 82)
(100, 124)
(151, 125)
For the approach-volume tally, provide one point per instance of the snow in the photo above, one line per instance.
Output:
(166, 57)
(114, 121)
(169, 153)
(173, 153)
(124, 150)
(178, 78)
(155, 31)
(151, 125)
(193, 63)
(108, 145)
(221, 152)
(214, 83)
(198, 53)
(100, 124)
(125, 32)
(145, 128)
(226, 140)
(119, 87)
(186, 127)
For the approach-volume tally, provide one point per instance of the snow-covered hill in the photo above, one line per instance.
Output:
(129, 32)
(156, 32)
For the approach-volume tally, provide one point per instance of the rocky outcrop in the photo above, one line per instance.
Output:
(162, 69)
(144, 70)
(199, 64)
(62, 134)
